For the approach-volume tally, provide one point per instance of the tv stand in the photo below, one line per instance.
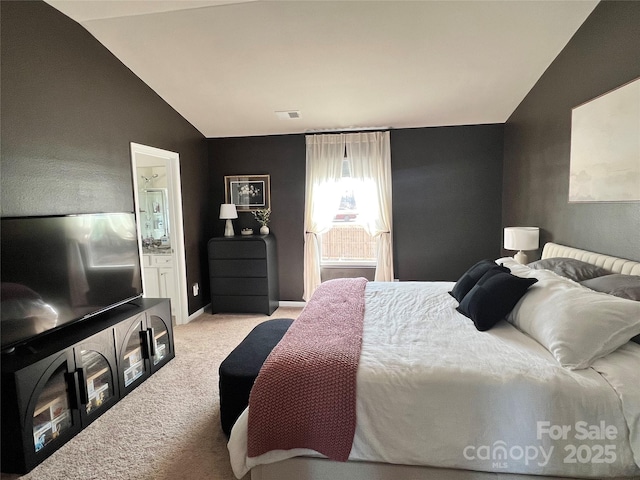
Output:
(55, 385)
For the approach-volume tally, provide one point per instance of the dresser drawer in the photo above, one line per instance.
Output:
(240, 304)
(238, 268)
(238, 249)
(239, 286)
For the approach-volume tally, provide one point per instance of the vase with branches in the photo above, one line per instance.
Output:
(262, 217)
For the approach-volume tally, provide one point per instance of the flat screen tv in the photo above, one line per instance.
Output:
(57, 270)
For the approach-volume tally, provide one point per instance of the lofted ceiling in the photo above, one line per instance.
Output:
(228, 66)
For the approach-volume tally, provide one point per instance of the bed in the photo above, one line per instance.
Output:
(439, 399)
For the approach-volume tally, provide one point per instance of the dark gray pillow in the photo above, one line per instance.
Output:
(636, 339)
(571, 268)
(618, 284)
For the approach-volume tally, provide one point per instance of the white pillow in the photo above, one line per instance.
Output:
(517, 268)
(576, 324)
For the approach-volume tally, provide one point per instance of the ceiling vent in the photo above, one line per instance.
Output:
(289, 114)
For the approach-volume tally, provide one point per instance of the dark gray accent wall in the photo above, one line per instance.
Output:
(447, 197)
(69, 112)
(282, 157)
(447, 189)
(603, 54)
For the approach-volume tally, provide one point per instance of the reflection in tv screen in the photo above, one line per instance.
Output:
(59, 269)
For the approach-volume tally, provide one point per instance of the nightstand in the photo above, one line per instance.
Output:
(243, 271)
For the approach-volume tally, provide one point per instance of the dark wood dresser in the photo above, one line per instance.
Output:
(243, 271)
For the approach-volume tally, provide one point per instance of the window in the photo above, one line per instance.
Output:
(347, 244)
(347, 205)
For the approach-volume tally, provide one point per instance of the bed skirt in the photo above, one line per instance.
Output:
(308, 468)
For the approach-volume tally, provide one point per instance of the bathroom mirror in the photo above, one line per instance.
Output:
(154, 218)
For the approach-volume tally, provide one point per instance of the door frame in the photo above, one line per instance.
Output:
(174, 188)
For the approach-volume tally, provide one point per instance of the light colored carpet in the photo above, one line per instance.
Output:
(169, 427)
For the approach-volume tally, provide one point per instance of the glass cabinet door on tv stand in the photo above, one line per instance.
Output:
(161, 333)
(132, 339)
(45, 415)
(97, 375)
(52, 414)
(145, 344)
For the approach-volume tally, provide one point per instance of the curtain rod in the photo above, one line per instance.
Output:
(347, 130)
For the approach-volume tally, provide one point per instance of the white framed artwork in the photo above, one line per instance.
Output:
(605, 147)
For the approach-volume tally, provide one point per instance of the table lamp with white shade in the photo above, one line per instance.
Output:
(521, 238)
(228, 212)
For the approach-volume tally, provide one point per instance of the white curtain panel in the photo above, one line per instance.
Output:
(322, 198)
(370, 156)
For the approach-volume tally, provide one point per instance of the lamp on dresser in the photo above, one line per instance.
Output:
(521, 238)
(228, 212)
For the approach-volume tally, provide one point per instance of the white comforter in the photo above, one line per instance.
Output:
(432, 390)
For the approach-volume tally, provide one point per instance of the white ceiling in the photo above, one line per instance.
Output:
(227, 66)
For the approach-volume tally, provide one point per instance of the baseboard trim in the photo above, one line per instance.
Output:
(197, 313)
(207, 307)
(287, 303)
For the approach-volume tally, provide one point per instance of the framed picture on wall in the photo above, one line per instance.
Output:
(248, 192)
(605, 151)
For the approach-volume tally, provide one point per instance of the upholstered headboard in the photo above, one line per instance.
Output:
(613, 264)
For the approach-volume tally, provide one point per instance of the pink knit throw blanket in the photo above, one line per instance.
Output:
(305, 393)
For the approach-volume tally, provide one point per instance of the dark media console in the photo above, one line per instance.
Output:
(55, 385)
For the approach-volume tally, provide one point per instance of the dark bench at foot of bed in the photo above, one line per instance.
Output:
(241, 367)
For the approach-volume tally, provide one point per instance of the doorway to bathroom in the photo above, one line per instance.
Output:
(158, 205)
